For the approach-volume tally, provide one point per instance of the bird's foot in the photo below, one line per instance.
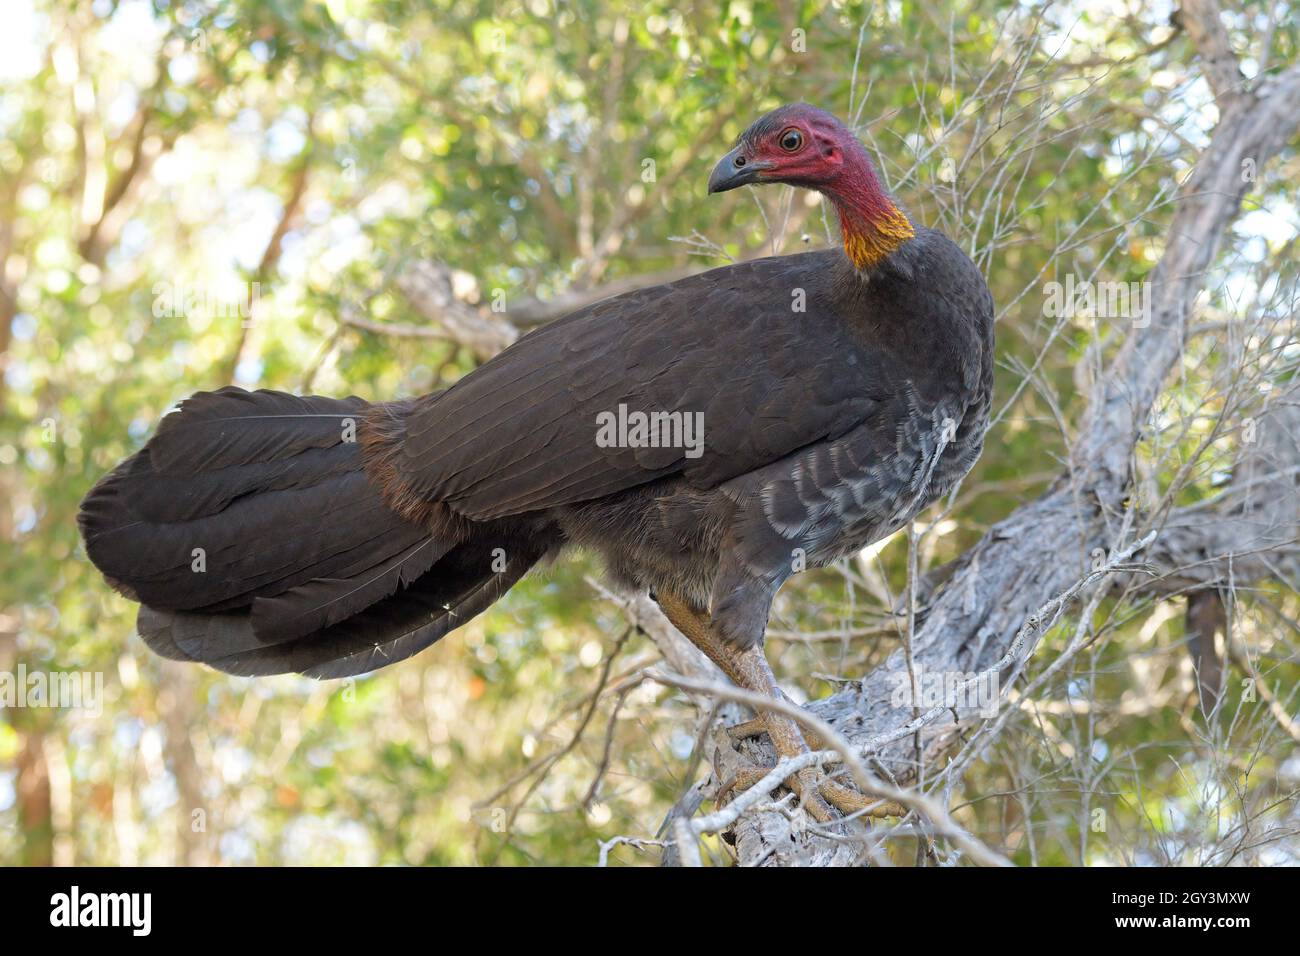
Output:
(744, 663)
(816, 792)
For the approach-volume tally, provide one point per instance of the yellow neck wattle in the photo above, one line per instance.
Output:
(868, 241)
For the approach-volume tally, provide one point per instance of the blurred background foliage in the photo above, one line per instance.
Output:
(304, 152)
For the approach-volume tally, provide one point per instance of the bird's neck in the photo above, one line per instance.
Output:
(872, 225)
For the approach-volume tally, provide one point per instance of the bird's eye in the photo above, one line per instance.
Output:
(791, 140)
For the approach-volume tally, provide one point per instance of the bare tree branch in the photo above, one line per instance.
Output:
(1201, 20)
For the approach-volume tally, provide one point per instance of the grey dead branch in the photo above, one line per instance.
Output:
(998, 600)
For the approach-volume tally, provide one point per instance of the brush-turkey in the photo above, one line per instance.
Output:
(839, 392)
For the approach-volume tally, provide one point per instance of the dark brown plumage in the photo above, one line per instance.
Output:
(840, 392)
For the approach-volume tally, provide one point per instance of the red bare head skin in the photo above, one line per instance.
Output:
(803, 146)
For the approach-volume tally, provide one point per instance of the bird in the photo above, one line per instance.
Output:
(706, 438)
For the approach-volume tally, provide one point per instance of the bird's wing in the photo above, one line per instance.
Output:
(730, 348)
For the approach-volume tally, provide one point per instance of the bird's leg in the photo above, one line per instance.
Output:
(748, 668)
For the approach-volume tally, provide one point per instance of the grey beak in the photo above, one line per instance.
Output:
(734, 169)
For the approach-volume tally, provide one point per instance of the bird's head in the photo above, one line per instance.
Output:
(800, 145)
(796, 144)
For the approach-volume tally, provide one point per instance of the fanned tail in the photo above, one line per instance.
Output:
(257, 543)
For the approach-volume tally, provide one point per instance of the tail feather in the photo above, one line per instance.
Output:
(184, 636)
(458, 588)
(230, 426)
(159, 497)
(257, 543)
(323, 602)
